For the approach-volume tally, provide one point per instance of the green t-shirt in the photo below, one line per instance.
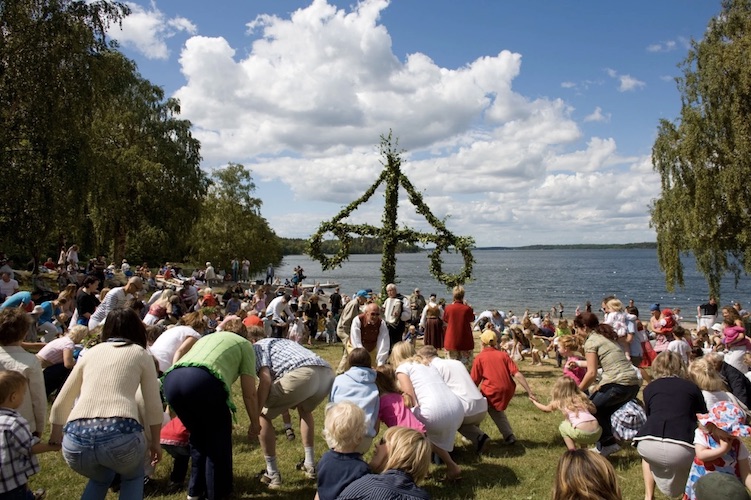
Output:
(616, 368)
(225, 354)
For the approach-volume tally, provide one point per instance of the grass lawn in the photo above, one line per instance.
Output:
(522, 471)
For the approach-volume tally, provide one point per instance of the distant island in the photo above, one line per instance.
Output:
(579, 246)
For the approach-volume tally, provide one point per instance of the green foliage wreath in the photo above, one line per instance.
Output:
(442, 238)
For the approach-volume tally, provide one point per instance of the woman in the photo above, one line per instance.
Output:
(433, 402)
(734, 353)
(160, 309)
(87, 301)
(619, 382)
(433, 326)
(103, 436)
(665, 442)
(57, 358)
(662, 336)
(404, 456)
(197, 387)
(69, 294)
(583, 475)
(175, 342)
(459, 342)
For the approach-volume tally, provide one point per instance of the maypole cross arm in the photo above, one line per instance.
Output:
(390, 233)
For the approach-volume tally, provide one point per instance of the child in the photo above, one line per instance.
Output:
(394, 406)
(497, 374)
(568, 348)
(57, 358)
(174, 440)
(331, 324)
(585, 475)
(615, 317)
(680, 345)
(561, 330)
(357, 385)
(734, 335)
(718, 449)
(17, 445)
(344, 428)
(411, 334)
(580, 427)
(297, 328)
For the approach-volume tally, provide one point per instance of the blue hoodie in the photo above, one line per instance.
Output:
(358, 386)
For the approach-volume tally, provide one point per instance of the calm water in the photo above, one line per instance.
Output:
(535, 279)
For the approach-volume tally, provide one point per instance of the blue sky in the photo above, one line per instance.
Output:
(523, 122)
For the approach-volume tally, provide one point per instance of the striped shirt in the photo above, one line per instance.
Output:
(391, 485)
(281, 356)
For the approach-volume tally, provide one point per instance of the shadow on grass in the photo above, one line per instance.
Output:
(477, 476)
(293, 488)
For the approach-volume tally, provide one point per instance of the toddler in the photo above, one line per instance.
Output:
(331, 324)
(174, 439)
(718, 449)
(680, 345)
(411, 334)
(297, 328)
(344, 428)
(17, 445)
(561, 330)
(580, 427)
(615, 317)
(568, 348)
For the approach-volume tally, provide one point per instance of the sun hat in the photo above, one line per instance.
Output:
(362, 293)
(718, 327)
(719, 486)
(37, 311)
(726, 416)
(488, 337)
(654, 307)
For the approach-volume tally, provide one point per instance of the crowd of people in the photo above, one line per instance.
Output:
(131, 374)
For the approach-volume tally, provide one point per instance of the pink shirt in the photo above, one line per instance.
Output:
(579, 418)
(52, 352)
(392, 412)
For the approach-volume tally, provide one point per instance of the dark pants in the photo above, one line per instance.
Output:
(180, 462)
(607, 400)
(200, 400)
(54, 377)
(20, 493)
(395, 333)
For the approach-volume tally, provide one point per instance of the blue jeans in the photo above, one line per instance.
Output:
(102, 455)
(607, 400)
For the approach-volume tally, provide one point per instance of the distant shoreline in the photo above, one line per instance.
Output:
(582, 246)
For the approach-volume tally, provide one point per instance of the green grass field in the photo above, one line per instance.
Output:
(522, 471)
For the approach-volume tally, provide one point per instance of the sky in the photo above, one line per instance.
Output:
(521, 122)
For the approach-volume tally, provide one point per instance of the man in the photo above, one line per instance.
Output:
(209, 274)
(269, 274)
(459, 381)
(706, 313)
(396, 313)
(246, 269)
(274, 312)
(336, 303)
(493, 316)
(416, 305)
(22, 299)
(289, 376)
(117, 298)
(344, 326)
(8, 286)
(371, 332)
(235, 264)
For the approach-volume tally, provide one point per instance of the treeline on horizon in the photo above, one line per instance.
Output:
(579, 246)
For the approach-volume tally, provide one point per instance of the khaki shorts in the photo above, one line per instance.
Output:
(578, 436)
(303, 387)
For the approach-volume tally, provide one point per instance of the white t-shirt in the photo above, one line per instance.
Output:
(456, 376)
(9, 287)
(680, 347)
(166, 345)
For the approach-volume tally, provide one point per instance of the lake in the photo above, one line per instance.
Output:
(534, 279)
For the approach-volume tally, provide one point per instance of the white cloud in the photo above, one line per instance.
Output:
(597, 116)
(626, 82)
(306, 101)
(148, 29)
(667, 46)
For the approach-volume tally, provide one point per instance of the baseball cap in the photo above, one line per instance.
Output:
(654, 307)
(362, 293)
(489, 337)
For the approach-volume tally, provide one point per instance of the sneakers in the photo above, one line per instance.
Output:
(39, 494)
(308, 470)
(290, 434)
(510, 440)
(481, 443)
(272, 481)
(606, 450)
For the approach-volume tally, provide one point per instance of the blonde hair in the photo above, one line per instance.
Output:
(614, 305)
(585, 475)
(409, 451)
(458, 293)
(402, 352)
(570, 342)
(668, 364)
(706, 376)
(567, 396)
(77, 333)
(236, 326)
(344, 426)
(11, 381)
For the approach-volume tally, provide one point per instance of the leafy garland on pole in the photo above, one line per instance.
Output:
(390, 233)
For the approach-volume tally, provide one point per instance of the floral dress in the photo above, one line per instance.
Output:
(726, 464)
